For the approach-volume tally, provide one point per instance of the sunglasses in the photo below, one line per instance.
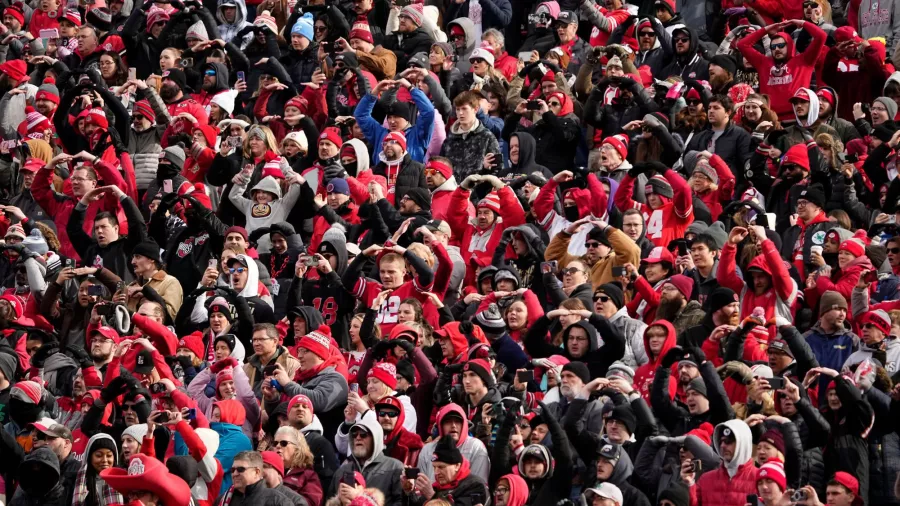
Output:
(210, 72)
(388, 413)
(602, 298)
(240, 469)
(283, 443)
(358, 434)
(778, 45)
(237, 270)
(893, 250)
(681, 40)
(810, 5)
(694, 102)
(554, 104)
(320, 28)
(590, 245)
(40, 436)
(571, 270)
(648, 34)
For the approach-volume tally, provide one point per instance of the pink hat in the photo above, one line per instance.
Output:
(773, 470)
(384, 372)
(266, 19)
(226, 374)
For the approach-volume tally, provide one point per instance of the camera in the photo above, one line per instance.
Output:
(799, 495)
(310, 260)
(157, 388)
(269, 370)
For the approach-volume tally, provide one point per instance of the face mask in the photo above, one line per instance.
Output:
(571, 213)
(351, 168)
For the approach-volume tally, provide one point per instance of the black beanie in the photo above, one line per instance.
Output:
(625, 415)
(148, 249)
(883, 132)
(614, 292)
(349, 59)
(399, 108)
(228, 339)
(578, 369)
(597, 234)
(420, 196)
(447, 452)
(406, 371)
(677, 494)
(184, 467)
(719, 298)
(724, 61)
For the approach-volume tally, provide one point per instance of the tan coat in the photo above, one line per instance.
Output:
(381, 62)
(624, 251)
(166, 286)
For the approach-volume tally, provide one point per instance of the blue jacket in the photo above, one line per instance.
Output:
(831, 350)
(418, 136)
(509, 353)
(231, 442)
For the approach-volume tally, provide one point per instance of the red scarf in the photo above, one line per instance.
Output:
(302, 376)
(460, 476)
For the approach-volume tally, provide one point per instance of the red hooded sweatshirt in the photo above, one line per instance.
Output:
(643, 377)
(780, 82)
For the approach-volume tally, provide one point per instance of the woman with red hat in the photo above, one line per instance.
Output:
(147, 482)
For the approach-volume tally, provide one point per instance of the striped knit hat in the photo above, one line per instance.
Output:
(773, 470)
(361, 30)
(490, 201)
(415, 13)
(660, 186)
(266, 19)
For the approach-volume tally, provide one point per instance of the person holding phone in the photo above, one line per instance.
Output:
(367, 446)
(452, 478)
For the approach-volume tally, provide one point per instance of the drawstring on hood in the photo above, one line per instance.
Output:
(743, 450)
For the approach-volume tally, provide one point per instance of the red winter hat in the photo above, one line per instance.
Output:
(682, 283)
(490, 201)
(299, 102)
(198, 192)
(16, 12)
(773, 470)
(846, 33)
(96, 116)
(384, 372)
(704, 432)
(155, 16)
(482, 368)
(274, 460)
(332, 135)
(72, 16)
(302, 399)
(397, 137)
(880, 319)
(848, 481)
(143, 108)
(361, 30)
(853, 246)
(224, 375)
(17, 70)
(826, 94)
(147, 473)
(318, 342)
(27, 391)
(193, 342)
(16, 302)
(619, 142)
(46, 91)
(549, 77)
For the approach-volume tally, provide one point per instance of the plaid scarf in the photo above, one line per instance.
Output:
(105, 494)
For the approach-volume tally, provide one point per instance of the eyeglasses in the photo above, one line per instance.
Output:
(477, 60)
(259, 339)
(879, 108)
(648, 34)
(501, 491)
(127, 407)
(358, 434)
(681, 40)
(109, 63)
(802, 203)
(869, 326)
(571, 270)
(430, 172)
(284, 443)
(602, 298)
(241, 469)
(591, 245)
(778, 45)
(237, 270)
(388, 413)
(893, 250)
(80, 179)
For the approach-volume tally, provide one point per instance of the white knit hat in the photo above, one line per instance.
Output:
(299, 138)
(484, 53)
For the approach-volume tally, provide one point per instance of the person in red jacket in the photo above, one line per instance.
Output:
(713, 182)
(659, 338)
(770, 288)
(669, 208)
(399, 443)
(782, 74)
(658, 266)
(440, 180)
(855, 68)
(731, 482)
(498, 211)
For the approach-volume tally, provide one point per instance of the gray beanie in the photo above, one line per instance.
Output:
(8, 366)
(689, 160)
(35, 242)
(490, 319)
(335, 234)
(888, 104)
(716, 234)
(706, 169)
(175, 155)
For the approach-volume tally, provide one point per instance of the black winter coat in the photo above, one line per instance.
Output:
(847, 449)
(733, 146)
(300, 65)
(417, 41)
(556, 139)
(610, 118)
(411, 175)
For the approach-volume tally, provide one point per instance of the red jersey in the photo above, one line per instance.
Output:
(669, 221)
(388, 314)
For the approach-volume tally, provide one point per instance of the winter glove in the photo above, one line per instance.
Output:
(657, 167)
(380, 350)
(470, 182)
(80, 355)
(493, 181)
(405, 345)
(553, 66)
(696, 353)
(43, 353)
(223, 364)
(659, 440)
(672, 356)
(526, 69)
(740, 369)
(116, 387)
(627, 83)
(537, 179)
(194, 202)
(453, 369)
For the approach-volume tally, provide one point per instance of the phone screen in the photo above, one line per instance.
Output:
(167, 185)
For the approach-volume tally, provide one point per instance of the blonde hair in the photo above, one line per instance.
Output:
(49, 235)
(303, 457)
(269, 139)
(376, 329)
(423, 252)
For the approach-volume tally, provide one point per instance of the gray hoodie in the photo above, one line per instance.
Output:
(264, 215)
(228, 30)
(471, 41)
(379, 470)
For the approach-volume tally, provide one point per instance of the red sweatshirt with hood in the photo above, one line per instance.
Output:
(780, 82)
(643, 377)
(777, 300)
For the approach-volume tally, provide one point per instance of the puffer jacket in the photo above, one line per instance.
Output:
(45, 482)
(847, 449)
(884, 451)
(466, 150)
(300, 65)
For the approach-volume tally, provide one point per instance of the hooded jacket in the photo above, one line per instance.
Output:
(780, 296)
(471, 448)
(621, 476)
(590, 202)
(857, 79)
(204, 97)
(466, 150)
(526, 164)
(440, 200)
(689, 65)
(598, 358)
(329, 301)
(780, 82)
(380, 471)
(227, 31)
(418, 133)
(264, 215)
(643, 377)
(732, 481)
(472, 40)
(39, 481)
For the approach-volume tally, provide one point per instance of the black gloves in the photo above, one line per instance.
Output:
(334, 171)
(80, 355)
(43, 353)
(116, 387)
(526, 69)
(407, 346)
(696, 354)
(195, 203)
(453, 369)
(672, 356)
(168, 200)
(381, 348)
